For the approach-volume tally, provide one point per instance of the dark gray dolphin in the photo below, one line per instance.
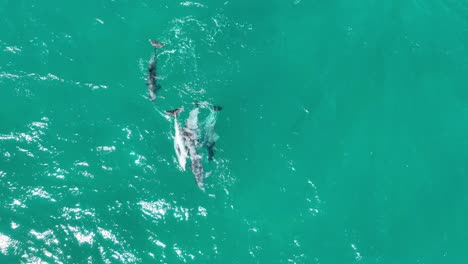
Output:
(151, 80)
(191, 136)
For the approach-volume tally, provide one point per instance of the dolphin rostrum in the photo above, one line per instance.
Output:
(210, 135)
(151, 79)
(179, 144)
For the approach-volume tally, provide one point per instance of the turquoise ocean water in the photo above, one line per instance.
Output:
(343, 137)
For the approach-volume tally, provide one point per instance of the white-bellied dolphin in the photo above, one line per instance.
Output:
(179, 139)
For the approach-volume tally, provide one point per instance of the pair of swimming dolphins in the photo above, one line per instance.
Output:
(186, 139)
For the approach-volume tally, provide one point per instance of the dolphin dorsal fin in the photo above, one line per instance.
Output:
(175, 112)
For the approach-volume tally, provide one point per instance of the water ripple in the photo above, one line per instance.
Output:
(7, 244)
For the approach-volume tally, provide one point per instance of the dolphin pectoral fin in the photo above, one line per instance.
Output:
(215, 137)
(158, 87)
(217, 108)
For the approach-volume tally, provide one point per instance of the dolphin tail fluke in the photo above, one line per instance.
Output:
(175, 112)
(217, 108)
(156, 44)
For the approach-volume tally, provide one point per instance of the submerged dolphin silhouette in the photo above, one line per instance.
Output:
(151, 80)
(210, 135)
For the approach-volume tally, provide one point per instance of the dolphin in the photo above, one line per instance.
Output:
(191, 135)
(210, 135)
(151, 79)
(179, 144)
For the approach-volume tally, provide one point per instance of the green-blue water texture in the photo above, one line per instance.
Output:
(343, 136)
